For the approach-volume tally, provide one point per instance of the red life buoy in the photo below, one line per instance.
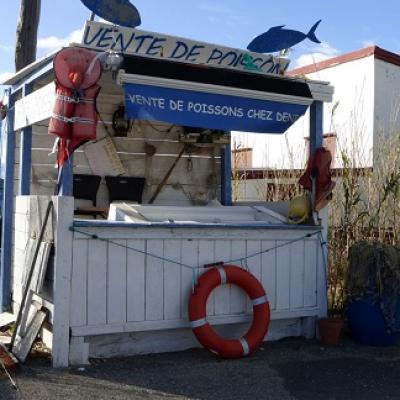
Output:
(229, 348)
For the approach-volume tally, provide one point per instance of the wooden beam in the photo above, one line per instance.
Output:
(25, 153)
(226, 176)
(66, 178)
(26, 43)
(8, 208)
(316, 126)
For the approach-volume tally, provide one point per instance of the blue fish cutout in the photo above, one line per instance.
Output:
(277, 39)
(119, 12)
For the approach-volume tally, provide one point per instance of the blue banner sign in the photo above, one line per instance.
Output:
(208, 110)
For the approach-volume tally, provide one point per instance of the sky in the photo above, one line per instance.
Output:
(346, 25)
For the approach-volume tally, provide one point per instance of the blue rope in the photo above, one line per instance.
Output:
(240, 260)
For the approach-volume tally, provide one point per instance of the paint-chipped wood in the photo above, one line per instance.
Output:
(6, 319)
(23, 345)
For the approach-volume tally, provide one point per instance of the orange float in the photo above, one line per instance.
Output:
(229, 348)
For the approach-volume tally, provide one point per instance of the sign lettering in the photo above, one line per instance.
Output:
(104, 37)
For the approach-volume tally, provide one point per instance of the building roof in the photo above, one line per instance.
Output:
(377, 52)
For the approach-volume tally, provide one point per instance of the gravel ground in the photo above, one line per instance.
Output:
(288, 369)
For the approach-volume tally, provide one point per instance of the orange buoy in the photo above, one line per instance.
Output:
(229, 348)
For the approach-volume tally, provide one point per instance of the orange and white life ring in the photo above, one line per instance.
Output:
(229, 348)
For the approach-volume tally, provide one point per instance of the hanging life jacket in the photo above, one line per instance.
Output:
(74, 118)
(319, 168)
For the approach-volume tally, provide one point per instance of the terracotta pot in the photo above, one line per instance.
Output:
(330, 330)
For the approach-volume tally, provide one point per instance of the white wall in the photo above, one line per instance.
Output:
(387, 101)
(352, 120)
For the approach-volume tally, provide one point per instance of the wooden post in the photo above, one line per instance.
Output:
(316, 126)
(66, 179)
(8, 208)
(26, 43)
(316, 141)
(63, 237)
(226, 176)
(25, 154)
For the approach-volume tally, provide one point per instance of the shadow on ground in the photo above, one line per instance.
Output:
(289, 369)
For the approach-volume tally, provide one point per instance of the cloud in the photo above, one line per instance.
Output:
(218, 13)
(368, 43)
(4, 76)
(5, 48)
(52, 43)
(316, 54)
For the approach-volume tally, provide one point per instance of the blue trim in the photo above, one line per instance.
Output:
(316, 126)
(42, 72)
(25, 153)
(226, 176)
(66, 179)
(181, 225)
(8, 210)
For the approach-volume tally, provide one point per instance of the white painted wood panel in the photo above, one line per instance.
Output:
(237, 295)
(97, 282)
(254, 264)
(154, 281)
(297, 275)
(136, 283)
(157, 291)
(190, 257)
(268, 270)
(79, 283)
(222, 293)
(283, 277)
(206, 256)
(310, 273)
(172, 280)
(116, 282)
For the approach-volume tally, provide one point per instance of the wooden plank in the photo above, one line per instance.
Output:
(64, 207)
(6, 319)
(206, 256)
(79, 283)
(165, 325)
(222, 293)
(22, 346)
(310, 273)
(116, 282)
(268, 271)
(237, 295)
(172, 280)
(35, 107)
(190, 256)
(296, 274)
(254, 264)
(136, 283)
(283, 278)
(97, 282)
(206, 53)
(155, 281)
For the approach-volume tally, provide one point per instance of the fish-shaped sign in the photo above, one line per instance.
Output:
(277, 39)
(119, 12)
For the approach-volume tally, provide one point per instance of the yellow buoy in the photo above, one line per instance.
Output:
(299, 209)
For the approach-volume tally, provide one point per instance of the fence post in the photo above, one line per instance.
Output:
(63, 236)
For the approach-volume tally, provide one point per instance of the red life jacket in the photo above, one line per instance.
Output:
(319, 168)
(74, 118)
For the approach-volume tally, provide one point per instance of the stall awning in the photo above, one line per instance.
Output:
(212, 98)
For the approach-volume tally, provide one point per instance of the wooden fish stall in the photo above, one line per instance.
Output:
(122, 268)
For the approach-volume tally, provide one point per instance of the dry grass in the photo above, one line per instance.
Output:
(365, 205)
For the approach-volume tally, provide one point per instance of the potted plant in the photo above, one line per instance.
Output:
(331, 327)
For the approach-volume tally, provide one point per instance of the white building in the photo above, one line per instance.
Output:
(365, 107)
